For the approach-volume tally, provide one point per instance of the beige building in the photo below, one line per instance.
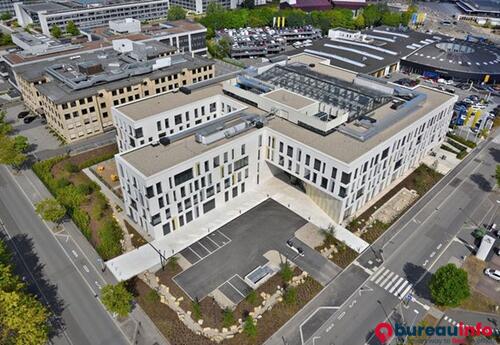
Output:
(76, 93)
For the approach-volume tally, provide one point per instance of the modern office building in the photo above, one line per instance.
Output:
(262, 42)
(340, 137)
(86, 14)
(7, 6)
(479, 8)
(200, 6)
(76, 93)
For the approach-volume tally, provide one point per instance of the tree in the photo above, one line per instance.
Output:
(5, 128)
(391, 18)
(72, 29)
(21, 143)
(110, 236)
(249, 327)
(359, 22)
(5, 39)
(449, 286)
(55, 31)
(286, 272)
(5, 16)
(117, 299)
(9, 154)
(176, 13)
(50, 210)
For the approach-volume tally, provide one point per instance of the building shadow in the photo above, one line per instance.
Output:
(413, 274)
(481, 182)
(36, 282)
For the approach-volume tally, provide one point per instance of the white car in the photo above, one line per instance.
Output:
(493, 274)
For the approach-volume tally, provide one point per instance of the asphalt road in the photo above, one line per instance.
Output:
(348, 309)
(79, 317)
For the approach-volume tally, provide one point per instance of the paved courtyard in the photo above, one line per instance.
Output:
(223, 258)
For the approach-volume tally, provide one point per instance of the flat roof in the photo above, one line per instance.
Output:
(387, 47)
(347, 149)
(289, 98)
(486, 6)
(156, 104)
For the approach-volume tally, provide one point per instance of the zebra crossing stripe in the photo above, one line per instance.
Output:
(391, 281)
(401, 288)
(375, 275)
(403, 294)
(396, 285)
(386, 279)
(381, 277)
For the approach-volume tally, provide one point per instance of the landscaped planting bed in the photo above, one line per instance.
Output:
(82, 198)
(344, 255)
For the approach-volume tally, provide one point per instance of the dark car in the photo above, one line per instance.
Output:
(29, 119)
(22, 114)
(450, 90)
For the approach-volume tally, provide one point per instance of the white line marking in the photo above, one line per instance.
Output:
(97, 284)
(377, 272)
(381, 277)
(416, 311)
(86, 268)
(74, 253)
(341, 316)
(391, 281)
(408, 288)
(432, 254)
(329, 328)
(194, 253)
(208, 237)
(386, 279)
(396, 285)
(401, 288)
(439, 246)
(209, 251)
(426, 262)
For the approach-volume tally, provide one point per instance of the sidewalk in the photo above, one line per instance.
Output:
(137, 326)
(145, 257)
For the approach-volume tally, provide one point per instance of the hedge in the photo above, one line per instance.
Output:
(461, 154)
(468, 143)
(456, 145)
(449, 149)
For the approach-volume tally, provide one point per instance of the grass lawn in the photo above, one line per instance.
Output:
(421, 180)
(82, 198)
(212, 315)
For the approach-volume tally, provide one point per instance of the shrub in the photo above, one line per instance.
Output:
(172, 262)
(252, 297)
(117, 299)
(196, 309)
(100, 205)
(249, 327)
(88, 188)
(449, 149)
(286, 272)
(457, 145)
(461, 154)
(290, 296)
(71, 167)
(70, 197)
(153, 296)
(110, 236)
(82, 221)
(62, 182)
(228, 318)
(468, 143)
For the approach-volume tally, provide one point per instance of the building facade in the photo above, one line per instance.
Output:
(76, 95)
(48, 14)
(274, 126)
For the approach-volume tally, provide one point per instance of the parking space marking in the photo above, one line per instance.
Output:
(201, 244)
(234, 287)
(223, 234)
(208, 244)
(208, 238)
(200, 250)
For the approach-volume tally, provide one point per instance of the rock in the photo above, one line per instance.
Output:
(206, 329)
(188, 312)
(233, 328)
(240, 321)
(259, 316)
(176, 303)
(280, 299)
(180, 299)
(229, 336)
(200, 322)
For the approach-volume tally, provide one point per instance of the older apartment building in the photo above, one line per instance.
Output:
(339, 137)
(76, 93)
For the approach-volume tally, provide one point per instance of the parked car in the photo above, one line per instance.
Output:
(22, 114)
(493, 274)
(29, 119)
(449, 90)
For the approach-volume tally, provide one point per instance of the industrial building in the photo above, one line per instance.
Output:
(86, 14)
(76, 93)
(479, 8)
(340, 137)
(262, 42)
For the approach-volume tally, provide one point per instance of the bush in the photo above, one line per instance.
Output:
(290, 296)
(449, 149)
(62, 182)
(286, 272)
(70, 197)
(152, 296)
(461, 154)
(88, 188)
(457, 145)
(449, 286)
(228, 318)
(110, 236)
(82, 221)
(100, 205)
(196, 309)
(249, 327)
(252, 297)
(71, 167)
(468, 143)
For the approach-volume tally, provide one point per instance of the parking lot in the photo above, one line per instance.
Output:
(487, 285)
(222, 259)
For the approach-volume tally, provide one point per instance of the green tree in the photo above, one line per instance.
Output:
(8, 280)
(5, 128)
(359, 22)
(70, 197)
(110, 236)
(50, 210)
(373, 14)
(286, 272)
(391, 18)
(117, 299)
(176, 13)
(5, 16)
(449, 286)
(5, 39)
(249, 327)
(9, 154)
(21, 143)
(72, 29)
(56, 31)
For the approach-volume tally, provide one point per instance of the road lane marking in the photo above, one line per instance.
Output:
(439, 246)
(401, 288)
(389, 284)
(416, 311)
(74, 253)
(396, 285)
(86, 268)
(341, 316)
(426, 262)
(432, 254)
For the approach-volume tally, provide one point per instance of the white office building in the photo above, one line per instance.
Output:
(339, 137)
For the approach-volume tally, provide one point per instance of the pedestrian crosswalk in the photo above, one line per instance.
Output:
(391, 282)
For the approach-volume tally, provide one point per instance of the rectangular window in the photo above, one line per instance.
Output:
(184, 176)
(241, 163)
